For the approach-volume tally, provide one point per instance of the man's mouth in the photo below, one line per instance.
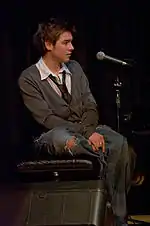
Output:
(68, 54)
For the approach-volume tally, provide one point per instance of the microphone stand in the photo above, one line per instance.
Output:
(118, 85)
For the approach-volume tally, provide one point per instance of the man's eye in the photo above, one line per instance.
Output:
(67, 42)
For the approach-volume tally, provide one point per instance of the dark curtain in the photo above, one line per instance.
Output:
(119, 28)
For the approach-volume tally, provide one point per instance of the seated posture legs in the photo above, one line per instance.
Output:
(118, 173)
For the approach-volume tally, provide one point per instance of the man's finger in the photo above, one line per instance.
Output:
(93, 146)
(102, 144)
(89, 142)
(96, 144)
(103, 147)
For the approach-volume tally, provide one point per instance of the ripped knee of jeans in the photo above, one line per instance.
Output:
(70, 143)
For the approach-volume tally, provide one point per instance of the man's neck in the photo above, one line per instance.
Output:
(52, 64)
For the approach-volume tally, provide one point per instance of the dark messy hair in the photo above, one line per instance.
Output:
(50, 31)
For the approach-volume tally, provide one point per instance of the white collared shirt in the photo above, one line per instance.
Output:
(45, 72)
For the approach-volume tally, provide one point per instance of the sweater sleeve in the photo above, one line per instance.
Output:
(90, 116)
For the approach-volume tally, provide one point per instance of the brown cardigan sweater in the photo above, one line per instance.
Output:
(50, 110)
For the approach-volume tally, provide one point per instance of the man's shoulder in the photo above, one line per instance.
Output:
(73, 66)
(30, 74)
(29, 71)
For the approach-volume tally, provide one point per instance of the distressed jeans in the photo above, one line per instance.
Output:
(118, 170)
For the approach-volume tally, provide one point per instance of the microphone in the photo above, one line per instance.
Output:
(102, 56)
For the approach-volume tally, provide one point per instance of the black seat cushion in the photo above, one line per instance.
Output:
(52, 165)
(65, 169)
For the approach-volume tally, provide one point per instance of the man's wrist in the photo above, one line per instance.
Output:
(87, 134)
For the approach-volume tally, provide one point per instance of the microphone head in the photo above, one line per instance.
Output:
(100, 55)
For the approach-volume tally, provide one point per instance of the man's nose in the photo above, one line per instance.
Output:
(71, 47)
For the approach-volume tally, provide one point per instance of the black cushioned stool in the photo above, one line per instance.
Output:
(62, 192)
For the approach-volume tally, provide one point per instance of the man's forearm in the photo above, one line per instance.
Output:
(53, 121)
(89, 122)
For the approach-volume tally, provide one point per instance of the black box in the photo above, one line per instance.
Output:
(66, 203)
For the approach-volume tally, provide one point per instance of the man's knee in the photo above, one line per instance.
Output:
(56, 137)
(70, 143)
(60, 139)
(111, 137)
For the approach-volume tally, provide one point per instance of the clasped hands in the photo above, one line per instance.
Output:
(96, 141)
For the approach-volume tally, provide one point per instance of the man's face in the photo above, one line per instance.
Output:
(63, 48)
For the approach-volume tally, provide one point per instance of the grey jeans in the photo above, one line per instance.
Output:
(118, 170)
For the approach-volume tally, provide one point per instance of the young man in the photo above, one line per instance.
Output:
(57, 93)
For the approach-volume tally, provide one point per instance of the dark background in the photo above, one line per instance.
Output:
(119, 28)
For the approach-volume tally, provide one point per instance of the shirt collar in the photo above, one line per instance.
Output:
(45, 71)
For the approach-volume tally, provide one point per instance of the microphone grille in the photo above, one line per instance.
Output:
(100, 55)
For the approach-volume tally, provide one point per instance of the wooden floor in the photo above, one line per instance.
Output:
(145, 218)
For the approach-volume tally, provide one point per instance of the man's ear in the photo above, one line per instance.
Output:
(48, 45)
